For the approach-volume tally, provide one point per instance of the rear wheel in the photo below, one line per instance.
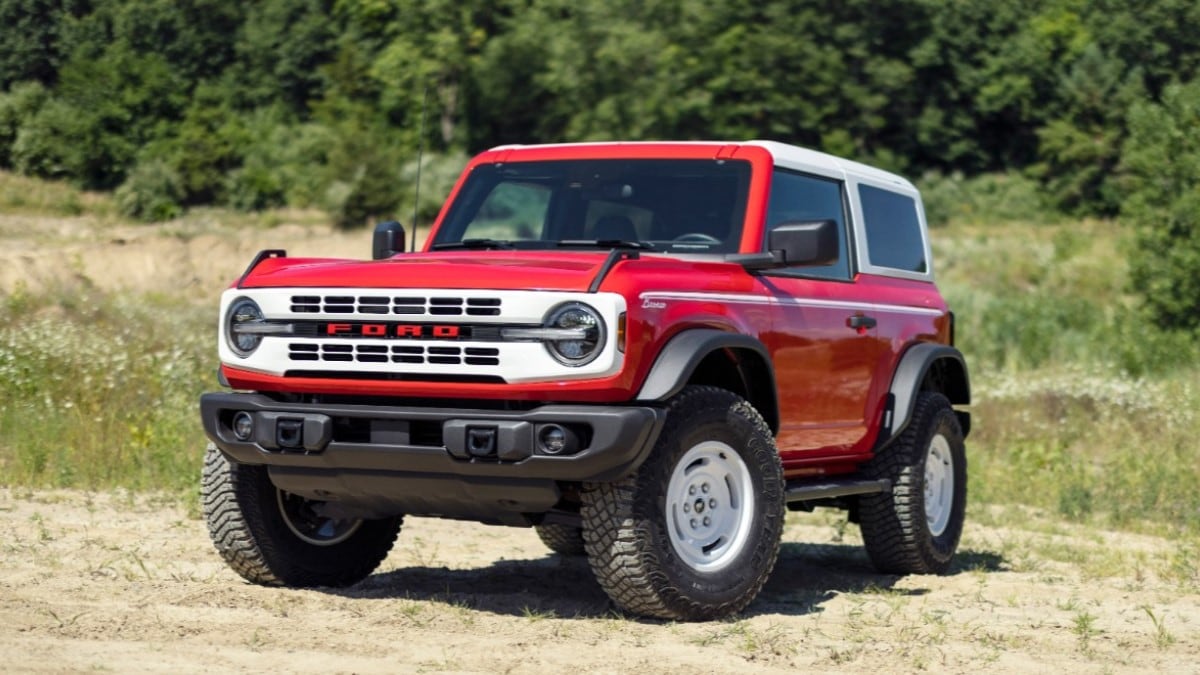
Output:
(275, 538)
(563, 539)
(695, 532)
(916, 528)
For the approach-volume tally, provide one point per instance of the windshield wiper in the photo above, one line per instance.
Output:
(604, 243)
(472, 244)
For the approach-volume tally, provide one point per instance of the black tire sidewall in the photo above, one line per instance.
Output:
(894, 526)
(300, 563)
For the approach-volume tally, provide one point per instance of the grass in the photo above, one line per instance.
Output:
(101, 391)
(1081, 407)
(1081, 410)
(21, 195)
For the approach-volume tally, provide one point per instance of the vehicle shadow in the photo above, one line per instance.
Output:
(805, 577)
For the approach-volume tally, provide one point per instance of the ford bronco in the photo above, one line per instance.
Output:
(649, 352)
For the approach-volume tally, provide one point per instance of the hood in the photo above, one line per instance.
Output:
(500, 270)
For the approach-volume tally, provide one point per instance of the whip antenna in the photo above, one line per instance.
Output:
(420, 154)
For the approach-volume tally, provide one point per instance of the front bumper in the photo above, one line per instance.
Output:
(478, 464)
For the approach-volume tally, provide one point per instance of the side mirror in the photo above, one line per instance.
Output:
(388, 240)
(806, 243)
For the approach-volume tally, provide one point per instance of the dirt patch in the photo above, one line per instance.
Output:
(130, 583)
(193, 259)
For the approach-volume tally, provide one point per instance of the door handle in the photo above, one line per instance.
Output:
(861, 323)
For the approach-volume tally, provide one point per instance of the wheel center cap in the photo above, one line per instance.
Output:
(699, 506)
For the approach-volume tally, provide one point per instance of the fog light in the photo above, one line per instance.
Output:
(553, 439)
(243, 426)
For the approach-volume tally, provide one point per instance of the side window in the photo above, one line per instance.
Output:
(797, 197)
(893, 230)
(511, 211)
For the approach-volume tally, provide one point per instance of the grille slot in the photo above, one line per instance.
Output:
(409, 354)
(408, 305)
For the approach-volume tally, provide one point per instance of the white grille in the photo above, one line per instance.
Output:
(334, 352)
(406, 305)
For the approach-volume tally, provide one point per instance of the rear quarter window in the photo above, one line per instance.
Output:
(893, 230)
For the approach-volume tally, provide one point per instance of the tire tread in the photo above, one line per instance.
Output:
(233, 497)
(893, 525)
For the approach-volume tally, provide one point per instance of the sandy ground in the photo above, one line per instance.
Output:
(195, 258)
(130, 583)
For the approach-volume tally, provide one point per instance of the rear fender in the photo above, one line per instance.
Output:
(925, 367)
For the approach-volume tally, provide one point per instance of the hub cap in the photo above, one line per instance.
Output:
(939, 485)
(710, 505)
(304, 518)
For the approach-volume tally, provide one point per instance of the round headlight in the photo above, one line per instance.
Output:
(243, 312)
(586, 322)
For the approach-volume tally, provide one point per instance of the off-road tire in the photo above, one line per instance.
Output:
(562, 539)
(895, 527)
(631, 549)
(243, 510)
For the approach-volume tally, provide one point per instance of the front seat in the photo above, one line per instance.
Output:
(614, 227)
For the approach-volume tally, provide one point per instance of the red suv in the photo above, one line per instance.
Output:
(646, 351)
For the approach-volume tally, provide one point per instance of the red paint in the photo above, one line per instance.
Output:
(832, 379)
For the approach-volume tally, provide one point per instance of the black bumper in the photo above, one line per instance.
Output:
(466, 463)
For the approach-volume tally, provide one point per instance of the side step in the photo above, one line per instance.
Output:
(827, 490)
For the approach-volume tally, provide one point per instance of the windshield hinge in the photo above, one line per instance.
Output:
(262, 255)
(614, 256)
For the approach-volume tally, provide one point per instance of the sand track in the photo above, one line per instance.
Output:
(130, 583)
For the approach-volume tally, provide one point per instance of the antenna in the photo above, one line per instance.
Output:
(420, 154)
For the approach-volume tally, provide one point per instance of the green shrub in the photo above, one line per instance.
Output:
(206, 145)
(51, 144)
(254, 187)
(283, 163)
(1162, 183)
(365, 185)
(153, 192)
(16, 108)
(986, 198)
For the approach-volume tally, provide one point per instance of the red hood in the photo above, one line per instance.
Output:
(499, 270)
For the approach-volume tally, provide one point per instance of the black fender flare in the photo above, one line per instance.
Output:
(683, 353)
(914, 366)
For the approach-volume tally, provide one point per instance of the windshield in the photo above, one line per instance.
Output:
(682, 206)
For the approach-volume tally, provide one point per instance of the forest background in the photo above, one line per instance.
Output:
(1056, 142)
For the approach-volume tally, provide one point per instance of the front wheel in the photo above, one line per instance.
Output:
(916, 528)
(275, 538)
(694, 534)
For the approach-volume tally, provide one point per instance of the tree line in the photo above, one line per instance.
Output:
(324, 103)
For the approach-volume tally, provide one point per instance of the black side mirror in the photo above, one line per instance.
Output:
(806, 243)
(388, 240)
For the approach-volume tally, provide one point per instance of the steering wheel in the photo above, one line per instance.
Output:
(696, 237)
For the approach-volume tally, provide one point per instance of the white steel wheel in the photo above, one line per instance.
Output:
(939, 485)
(710, 506)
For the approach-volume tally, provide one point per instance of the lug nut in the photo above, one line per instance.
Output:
(712, 503)
(707, 521)
(692, 490)
(704, 488)
(693, 523)
(687, 508)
